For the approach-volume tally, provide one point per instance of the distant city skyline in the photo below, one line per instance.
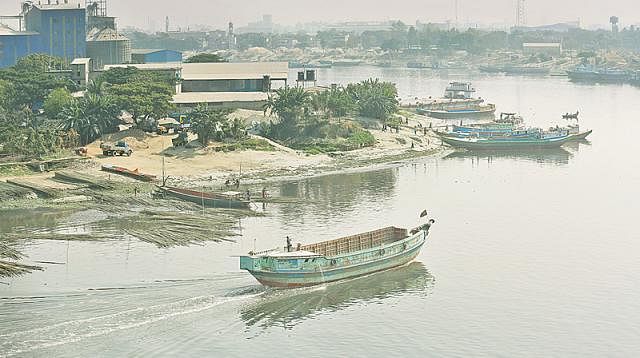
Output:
(150, 14)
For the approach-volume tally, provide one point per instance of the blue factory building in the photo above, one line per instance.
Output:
(155, 56)
(57, 29)
(16, 44)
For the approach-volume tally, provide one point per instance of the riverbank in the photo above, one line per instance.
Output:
(83, 203)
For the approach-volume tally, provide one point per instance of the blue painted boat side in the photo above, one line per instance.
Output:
(312, 271)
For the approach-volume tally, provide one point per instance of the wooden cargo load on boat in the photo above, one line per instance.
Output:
(357, 242)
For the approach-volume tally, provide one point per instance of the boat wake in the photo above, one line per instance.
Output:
(76, 330)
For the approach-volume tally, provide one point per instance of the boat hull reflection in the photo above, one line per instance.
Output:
(289, 307)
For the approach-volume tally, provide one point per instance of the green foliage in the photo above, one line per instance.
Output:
(205, 58)
(56, 101)
(91, 117)
(215, 125)
(142, 98)
(39, 62)
(291, 105)
(375, 99)
(124, 75)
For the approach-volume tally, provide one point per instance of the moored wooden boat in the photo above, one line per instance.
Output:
(580, 135)
(231, 199)
(135, 173)
(505, 142)
(456, 113)
(338, 259)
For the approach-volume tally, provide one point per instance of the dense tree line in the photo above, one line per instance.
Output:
(39, 115)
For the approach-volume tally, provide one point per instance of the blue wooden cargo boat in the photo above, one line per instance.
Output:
(533, 141)
(338, 259)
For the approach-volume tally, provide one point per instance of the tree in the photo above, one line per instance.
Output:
(214, 124)
(39, 62)
(205, 58)
(144, 99)
(290, 104)
(91, 117)
(375, 99)
(56, 101)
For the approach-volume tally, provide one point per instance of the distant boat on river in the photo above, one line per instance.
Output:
(458, 102)
(338, 259)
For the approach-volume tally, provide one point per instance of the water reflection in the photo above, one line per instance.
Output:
(286, 308)
(336, 194)
(548, 156)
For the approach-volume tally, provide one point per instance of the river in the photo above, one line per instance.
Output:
(532, 254)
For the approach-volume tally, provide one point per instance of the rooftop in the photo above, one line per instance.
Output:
(541, 44)
(106, 34)
(219, 97)
(7, 31)
(58, 5)
(81, 61)
(235, 71)
(146, 51)
(164, 66)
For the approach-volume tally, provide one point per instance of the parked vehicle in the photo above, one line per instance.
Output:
(120, 148)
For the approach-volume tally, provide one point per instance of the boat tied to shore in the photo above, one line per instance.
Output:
(338, 259)
(223, 200)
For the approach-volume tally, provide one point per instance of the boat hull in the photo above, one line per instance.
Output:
(390, 256)
(581, 135)
(505, 144)
(460, 114)
(208, 202)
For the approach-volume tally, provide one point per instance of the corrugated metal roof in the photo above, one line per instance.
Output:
(7, 31)
(146, 51)
(149, 66)
(81, 61)
(240, 71)
(219, 97)
(105, 34)
(541, 44)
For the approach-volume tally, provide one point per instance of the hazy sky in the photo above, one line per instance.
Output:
(142, 13)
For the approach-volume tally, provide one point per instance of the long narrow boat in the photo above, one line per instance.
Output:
(334, 260)
(230, 200)
(505, 142)
(135, 173)
(453, 113)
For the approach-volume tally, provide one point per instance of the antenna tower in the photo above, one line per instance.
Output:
(520, 13)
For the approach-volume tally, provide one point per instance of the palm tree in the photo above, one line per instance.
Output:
(291, 105)
(90, 116)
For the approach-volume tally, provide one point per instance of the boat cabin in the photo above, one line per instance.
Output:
(459, 90)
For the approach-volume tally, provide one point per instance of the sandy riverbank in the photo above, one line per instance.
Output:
(206, 164)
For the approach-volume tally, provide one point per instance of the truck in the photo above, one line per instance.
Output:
(120, 148)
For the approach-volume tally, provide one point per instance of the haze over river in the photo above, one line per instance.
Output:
(532, 254)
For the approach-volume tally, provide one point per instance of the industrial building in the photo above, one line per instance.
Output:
(105, 46)
(64, 28)
(56, 29)
(230, 85)
(155, 56)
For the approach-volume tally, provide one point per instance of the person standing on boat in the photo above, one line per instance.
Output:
(289, 244)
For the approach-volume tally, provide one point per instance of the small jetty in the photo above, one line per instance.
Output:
(135, 174)
(338, 259)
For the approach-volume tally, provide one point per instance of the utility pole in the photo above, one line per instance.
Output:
(520, 13)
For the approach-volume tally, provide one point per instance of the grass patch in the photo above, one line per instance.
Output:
(247, 144)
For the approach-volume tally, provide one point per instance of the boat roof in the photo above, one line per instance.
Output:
(292, 254)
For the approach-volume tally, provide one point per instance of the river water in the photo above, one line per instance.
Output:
(532, 254)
